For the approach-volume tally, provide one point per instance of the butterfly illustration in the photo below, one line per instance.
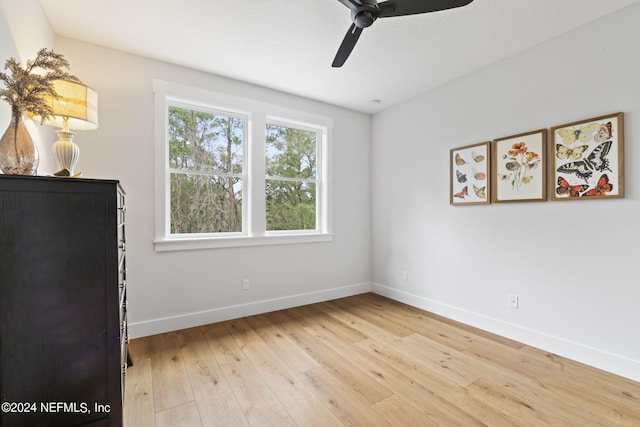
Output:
(583, 134)
(604, 132)
(563, 152)
(461, 176)
(602, 187)
(477, 157)
(480, 176)
(565, 188)
(597, 160)
(480, 192)
(464, 193)
(459, 160)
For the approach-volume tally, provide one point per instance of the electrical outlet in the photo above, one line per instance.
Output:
(245, 284)
(405, 275)
(513, 301)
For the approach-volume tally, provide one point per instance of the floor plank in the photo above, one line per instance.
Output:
(138, 405)
(215, 400)
(348, 405)
(169, 374)
(185, 415)
(363, 361)
(296, 358)
(437, 396)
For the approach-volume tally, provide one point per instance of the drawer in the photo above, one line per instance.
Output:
(123, 326)
(124, 342)
(124, 347)
(122, 269)
(123, 375)
(122, 240)
(122, 209)
(123, 306)
(122, 293)
(124, 353)
(122, 298)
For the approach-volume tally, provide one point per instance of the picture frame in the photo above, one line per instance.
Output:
(469, 175)
(588, 159)
(518, 169)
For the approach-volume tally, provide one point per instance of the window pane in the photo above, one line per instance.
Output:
(291, 153)
(205, 204)
(205, 142)
(291, 205)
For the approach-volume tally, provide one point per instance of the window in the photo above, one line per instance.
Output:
(206, 170)
(235, 172)
(291, 158)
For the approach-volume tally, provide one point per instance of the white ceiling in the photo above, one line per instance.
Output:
(289, 45)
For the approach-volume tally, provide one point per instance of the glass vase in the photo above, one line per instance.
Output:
(18, 153)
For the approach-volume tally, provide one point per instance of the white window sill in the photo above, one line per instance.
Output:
(183, 244)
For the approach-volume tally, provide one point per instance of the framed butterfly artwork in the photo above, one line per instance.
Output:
(518, 169)
(588, 159)
(469, 175)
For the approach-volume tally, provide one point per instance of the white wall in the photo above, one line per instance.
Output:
(573, 264)
(172, 290)
(24, 29)
(7, 50)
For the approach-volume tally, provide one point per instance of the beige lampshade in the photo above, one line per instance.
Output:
(77, 102)
(75, 108)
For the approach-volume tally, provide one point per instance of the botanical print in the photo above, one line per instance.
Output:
(469, 171)
(588, 158)
(519, 162)
(519, 167)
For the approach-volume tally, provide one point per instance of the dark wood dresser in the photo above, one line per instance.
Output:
(63, 326)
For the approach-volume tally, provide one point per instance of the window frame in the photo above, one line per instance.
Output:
(196, 106)
(318, 180)
(257, 115)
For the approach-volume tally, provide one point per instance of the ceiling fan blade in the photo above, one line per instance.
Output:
(412, 7)
(351, 4)
(347, 45)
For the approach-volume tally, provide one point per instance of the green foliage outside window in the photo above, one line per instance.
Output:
(205, 156)
(291, 184)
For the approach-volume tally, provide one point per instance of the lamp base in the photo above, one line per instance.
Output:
(66, 151)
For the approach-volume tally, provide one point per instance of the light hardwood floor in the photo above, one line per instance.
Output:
(363, 361)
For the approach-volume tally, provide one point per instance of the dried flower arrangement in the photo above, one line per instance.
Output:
(25, 88)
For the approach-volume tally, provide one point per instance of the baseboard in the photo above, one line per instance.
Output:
(591, 356)
(189, 320)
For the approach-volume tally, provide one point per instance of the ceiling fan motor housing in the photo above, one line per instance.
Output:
(365, 15)
(363, 19)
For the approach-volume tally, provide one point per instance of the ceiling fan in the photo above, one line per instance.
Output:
(365, 12)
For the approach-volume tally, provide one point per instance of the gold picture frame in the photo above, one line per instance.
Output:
(588, 159)
(469, 175)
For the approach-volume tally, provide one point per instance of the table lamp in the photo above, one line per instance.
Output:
(75, 108)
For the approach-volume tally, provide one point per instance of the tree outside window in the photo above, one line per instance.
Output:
(206, 166)
(291, 182)
(233, 172)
